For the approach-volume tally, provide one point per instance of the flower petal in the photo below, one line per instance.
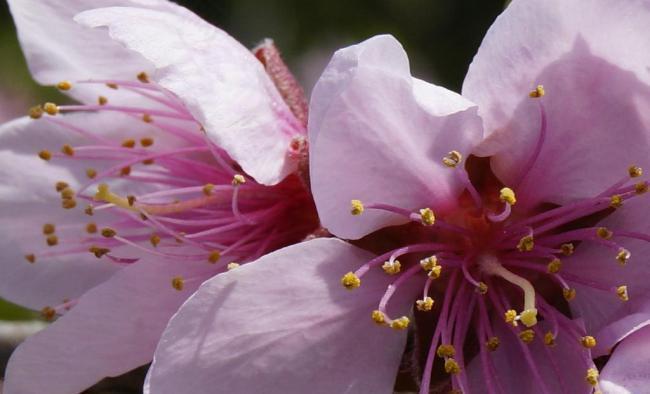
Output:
(222, 83)
(627, 370)
(286, 321)
(57, 48)
(28, 200)
(379, 135)
(114, 328)
(596, 83)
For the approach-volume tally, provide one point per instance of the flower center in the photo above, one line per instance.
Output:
(486, 260)
(177, 197)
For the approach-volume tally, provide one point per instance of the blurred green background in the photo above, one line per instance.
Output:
(440, 36)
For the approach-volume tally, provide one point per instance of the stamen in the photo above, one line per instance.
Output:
(146, 142)
(48, 228)
(567, 249)
(154, 240)
(425, 304)
(214, 256)
(427, 217)
(48, 313)
(621, 292)
(527, 336)
(35, 112)
(569, 294)
(30, 258)
(452, 159)
(143, 77)
(45, 155)
(451, 366)
(623, 256)
(510, 317)
(616, 201)
(52, 240)
(604, 233)
(102, 100)
(51, 108)
(588, 341)
(446, 350)
(554, 266)
(64, 85)
(68, 203)
(178, 283)
(401, 323)
(67, 150)
(356, 207)
(59, 186)
(238, 179)
(507, 195)
(392, 267)
(641, 188)
(549, 339)
(91, 228)
(91, 173)
(128, 143)
(635, 171)
(378, 317)
(108, 232)
(592, 376)
(232, 265)
(493, 343)
(538, 92)
(350, 281)
(526, 243)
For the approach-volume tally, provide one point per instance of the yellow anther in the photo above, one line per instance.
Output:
(400, 324)
(510, 317)
(128, 143)
(91, 173)
(67, 150)
(452, 159)
(350, 281)
(112, 85)
(425, 304)
(435, 272)
(356, 207)
(51, 108)
(623, 256)
(446, 350)
(549, 339)
(378, 317)
(554, 266)
(91, 228)
(108, 232)
(64, 85)
(59, 186)
(482, 288)
(48, 228)
(178, 283)
(102, 100)
(67, 193)
(641, 187)
(214, 256)
(604, 233)
(51, 240)
(616, 201)
(621, 292)
(45, 154)
(537, 92)
(89, 210)
(507, 195)
(146, 118)
(493, 343)
(526, 244)
(143, 77)
(207, 189)
(146, 142)
(569, 294)
(588, 341)
(429, 263)
(30, 258)
(154, 239)
(48, 313)
(567, 249)
(635, 171)
(592, 376)
(529, 317)
(68, 203)
(125, 171)
(98, 252)
(232, 265)
(427, 217)
(35, 112)
(238, 179)
(527, 336)
(451, 366)
(392, 268)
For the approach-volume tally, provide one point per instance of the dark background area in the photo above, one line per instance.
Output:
(440, 36)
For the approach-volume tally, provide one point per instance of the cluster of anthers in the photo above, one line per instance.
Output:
(491, 257)
(199, 207)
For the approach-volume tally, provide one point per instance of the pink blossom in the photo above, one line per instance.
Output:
(510, 226)
(181, 161)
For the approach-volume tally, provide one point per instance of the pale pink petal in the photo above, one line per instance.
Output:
(114, 328)
(28, 200)
(57, 48)
(283, 324)
(633, 317)
(592, 263)
(596, 83)
(627, 370)
(222, 84)
(562, 368)
(379, 135)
